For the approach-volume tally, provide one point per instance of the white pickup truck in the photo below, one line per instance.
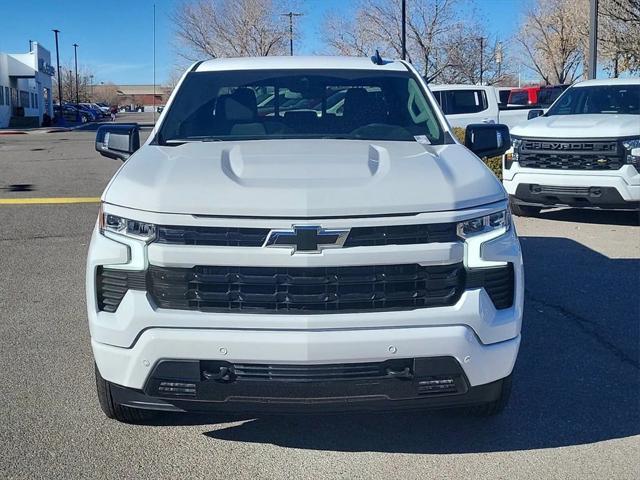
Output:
(284, 256)
(583, 152)
(467, 104)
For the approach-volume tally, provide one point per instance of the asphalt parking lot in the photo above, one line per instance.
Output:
(574, 413)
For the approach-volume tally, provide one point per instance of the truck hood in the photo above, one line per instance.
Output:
(580, 126)
(302, 178)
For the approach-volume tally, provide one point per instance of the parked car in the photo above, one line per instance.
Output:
(583, 152)
(303, 260)
(104, 111)
(538, 96)
(70, 113)
(467, 104)
(89, 112)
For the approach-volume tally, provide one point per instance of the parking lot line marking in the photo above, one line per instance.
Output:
(48, 200)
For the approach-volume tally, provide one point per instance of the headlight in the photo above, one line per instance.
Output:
(476, 226)
(108, 222)
(632, 154)
(513, 155)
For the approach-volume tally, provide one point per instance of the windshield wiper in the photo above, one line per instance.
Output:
(180, 141)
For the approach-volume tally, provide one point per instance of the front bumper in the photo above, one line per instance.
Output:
(483, 341)
(614, 189)
(431, 382)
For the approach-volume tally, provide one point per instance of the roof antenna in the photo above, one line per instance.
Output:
(377, 59)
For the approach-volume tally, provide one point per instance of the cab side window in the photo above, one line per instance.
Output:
(464, 101)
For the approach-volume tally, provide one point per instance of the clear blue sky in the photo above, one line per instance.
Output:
(115, 36)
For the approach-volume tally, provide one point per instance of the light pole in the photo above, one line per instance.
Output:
(75, 54)
(60, 115)
(91, 80)
(593, 40)
(291, 15)
(404, 29)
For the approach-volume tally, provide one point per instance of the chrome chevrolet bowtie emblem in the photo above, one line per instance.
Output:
(307, 238)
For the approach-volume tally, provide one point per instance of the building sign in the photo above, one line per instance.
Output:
(45, 67)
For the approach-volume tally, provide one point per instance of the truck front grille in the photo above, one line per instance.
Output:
(313, 290)
(358, 236)
(570, 155)
(305, 290)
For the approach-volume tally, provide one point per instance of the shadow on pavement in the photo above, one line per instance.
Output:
(576, 380)
(600, 217)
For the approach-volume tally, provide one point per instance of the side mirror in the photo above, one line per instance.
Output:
(536, 112)
(118, 141)
(487, 139)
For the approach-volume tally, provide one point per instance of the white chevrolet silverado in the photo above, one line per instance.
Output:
(583, 152)
(286, 258)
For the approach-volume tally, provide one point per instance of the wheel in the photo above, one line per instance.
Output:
(493, 408)
(524, 210)
(115, 411)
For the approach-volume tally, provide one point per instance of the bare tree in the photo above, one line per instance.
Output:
(68, 81)
(377, 24)
(551, 39)
(230, 28)
(619, 35)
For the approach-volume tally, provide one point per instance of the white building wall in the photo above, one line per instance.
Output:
(26, 72)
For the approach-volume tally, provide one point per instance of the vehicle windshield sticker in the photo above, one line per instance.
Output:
(422, 139)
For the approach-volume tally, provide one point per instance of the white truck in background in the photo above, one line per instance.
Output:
(467, 104)
(583, 152)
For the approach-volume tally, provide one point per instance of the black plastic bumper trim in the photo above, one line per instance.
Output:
(592, 196)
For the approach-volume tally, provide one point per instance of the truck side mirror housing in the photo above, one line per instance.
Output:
(536, 112)
(118, 141)
(487, 139)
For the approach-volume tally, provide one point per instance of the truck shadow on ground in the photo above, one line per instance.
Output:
(576, 380)
(600, 217)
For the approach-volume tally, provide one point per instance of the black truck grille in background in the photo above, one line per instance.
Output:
(305, 290)
(571, 155)
(319, 290)
(358, 237)
(112, 284)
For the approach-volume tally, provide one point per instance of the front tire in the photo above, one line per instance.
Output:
(114, 410)
(524, 210)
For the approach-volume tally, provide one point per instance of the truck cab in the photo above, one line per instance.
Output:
(583, 152)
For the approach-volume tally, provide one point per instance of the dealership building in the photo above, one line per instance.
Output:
(25, 87)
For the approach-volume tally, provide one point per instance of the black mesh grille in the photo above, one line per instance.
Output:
(309, 290)
(112, 285)
(319, 290)
(570, 155)
(358, 237)
(402, 234)
(215, 236)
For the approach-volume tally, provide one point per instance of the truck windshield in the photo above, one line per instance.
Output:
(600, 99)
(266, 104)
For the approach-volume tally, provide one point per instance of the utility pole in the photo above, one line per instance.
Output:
(60, 115)
(499, 58)
(75, 54)
(291, 15)
(404, 29)
(154, 63)
(593, 39)
(481, 58)
(91, 80)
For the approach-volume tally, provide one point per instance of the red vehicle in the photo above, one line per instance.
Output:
(541, 96)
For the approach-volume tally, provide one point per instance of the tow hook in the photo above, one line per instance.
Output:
(224, 374)
(404, 373)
